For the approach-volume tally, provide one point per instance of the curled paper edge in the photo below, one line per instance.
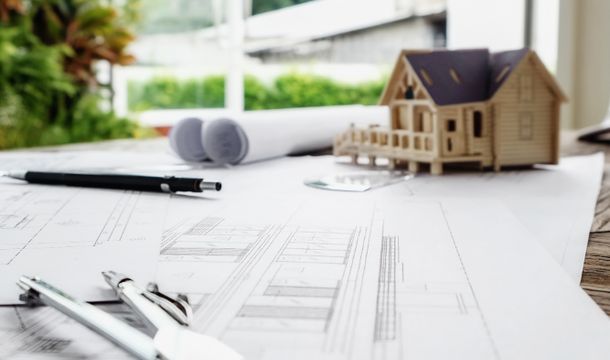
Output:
(225, 140)
(185, 140)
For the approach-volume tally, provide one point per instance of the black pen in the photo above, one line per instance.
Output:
(115, 181)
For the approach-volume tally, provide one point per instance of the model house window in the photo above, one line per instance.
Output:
(503, 73)
(449, 145)
(409, 94)
(526, 126)
(477, 124)
(455, 76)
(451, 126)
(526, 88)
(426, 76)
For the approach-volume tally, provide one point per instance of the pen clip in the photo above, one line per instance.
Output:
(30, 297)
(178, 308)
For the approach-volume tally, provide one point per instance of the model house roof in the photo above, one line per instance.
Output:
(464, 76)
(453, 77)
(501, 65)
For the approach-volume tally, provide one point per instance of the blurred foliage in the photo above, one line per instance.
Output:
(48, 89)
(88, 30)
(172, 16)
(260, 6)
(289, 90)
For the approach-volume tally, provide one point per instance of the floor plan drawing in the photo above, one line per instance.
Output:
(50, 231)
(277, 278)
(293, 272)
(209, 239)
(364, 279)
(368, 279)
(44, 333)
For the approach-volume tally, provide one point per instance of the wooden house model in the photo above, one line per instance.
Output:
(465, 106)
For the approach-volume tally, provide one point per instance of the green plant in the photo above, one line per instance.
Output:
(48, 50)
(260, 6)
(89, 30)
(289, 90)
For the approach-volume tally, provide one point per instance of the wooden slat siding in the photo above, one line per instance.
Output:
(556, 130)
(438, 129)
(596, 274)
(467, 114)
(403, 118)
(515, 151)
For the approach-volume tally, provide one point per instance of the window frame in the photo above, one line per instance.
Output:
(478, 131)
(526, 126)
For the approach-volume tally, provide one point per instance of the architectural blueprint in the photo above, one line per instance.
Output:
(44, 333)
(338, 278)
(88, 161)
(68, 235)
(556, 203)
(329, 277)
(424, 269)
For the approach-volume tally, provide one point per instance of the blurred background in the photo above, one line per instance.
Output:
(76, 70)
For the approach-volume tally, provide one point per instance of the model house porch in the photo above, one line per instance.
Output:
(421, 133)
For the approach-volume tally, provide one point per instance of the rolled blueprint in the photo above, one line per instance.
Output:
(258, 135)
(185, 139)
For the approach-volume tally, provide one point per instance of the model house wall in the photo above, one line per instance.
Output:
(465, 106)
(525, 110)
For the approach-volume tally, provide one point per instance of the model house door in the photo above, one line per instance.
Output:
(476, 131)
(453, 137)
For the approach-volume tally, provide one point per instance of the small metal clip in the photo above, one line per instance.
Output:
(178, 308)
(30, 297)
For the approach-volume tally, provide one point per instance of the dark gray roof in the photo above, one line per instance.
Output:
(498, 61)
(476, 72)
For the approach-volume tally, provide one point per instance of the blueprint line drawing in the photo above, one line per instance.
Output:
(52, 231)
(405, 272)
(119, 218)
(24, 206)
(385, 321)
(288, 277)
(374, 281)
(42, 333)
(209, 239)
(28, 216)
(459, 295)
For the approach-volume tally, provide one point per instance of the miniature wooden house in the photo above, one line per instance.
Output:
(466, 106)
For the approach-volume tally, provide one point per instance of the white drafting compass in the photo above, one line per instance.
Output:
(167, 317)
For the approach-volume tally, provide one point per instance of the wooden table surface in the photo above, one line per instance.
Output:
(596, 274)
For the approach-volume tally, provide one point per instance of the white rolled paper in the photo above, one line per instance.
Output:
(258, 135)
(185, 139)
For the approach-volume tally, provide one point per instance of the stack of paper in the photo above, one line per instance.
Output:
(464, 266)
